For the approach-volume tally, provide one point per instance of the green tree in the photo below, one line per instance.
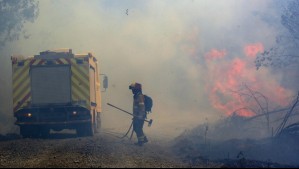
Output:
(286, 50)
(13, 15)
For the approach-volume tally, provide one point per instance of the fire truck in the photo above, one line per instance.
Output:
(57, 90)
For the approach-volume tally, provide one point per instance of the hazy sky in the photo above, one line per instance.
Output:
(188, 55)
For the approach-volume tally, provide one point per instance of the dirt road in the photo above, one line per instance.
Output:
(105, 150)
(102, 150)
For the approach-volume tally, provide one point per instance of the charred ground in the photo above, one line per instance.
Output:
(233, 144)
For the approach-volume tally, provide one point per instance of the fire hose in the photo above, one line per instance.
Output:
(149, 121)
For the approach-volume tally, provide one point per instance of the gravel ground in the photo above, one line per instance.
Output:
(106, 150)
(102, 150)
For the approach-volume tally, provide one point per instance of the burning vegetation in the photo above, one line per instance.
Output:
(240, 141)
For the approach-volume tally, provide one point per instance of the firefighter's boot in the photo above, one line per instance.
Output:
(145, 140)
(139, 143)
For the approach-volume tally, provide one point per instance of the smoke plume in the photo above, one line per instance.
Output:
(188, 55)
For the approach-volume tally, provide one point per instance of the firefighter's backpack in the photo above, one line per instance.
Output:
(148, 103)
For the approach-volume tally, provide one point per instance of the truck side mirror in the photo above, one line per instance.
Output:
(105, 82)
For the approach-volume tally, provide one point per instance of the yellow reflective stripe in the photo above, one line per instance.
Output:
(39, 62)
(80, 69)
(25, 76)
(19, 70)
(141, 138)
(18, 92)
(21, 84)
(80, 74)
(61, 61)
(80, 79)
(79, 91)
(19, 104)
(79, 97)
(64, 61)
(19, 99)
(75, 95)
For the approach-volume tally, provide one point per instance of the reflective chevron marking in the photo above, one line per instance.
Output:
(22, 102)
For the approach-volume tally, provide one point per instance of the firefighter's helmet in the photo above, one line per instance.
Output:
(137, 86)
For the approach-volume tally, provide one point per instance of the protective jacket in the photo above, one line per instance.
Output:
(138, 106)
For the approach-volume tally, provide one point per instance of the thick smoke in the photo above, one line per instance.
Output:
(188, 55)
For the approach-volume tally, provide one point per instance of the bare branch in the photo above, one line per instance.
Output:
(282, 125)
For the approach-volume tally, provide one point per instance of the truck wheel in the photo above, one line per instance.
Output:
(29, 131)
(98, 125)
(90, 129)
(85, 130)
(35, 132)
(44, 132)
(80, 131)
(25, 131)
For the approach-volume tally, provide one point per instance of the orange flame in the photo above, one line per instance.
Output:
(230, 74)
(215, 54)
(251, 50)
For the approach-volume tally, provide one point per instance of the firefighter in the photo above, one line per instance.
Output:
(139, 113)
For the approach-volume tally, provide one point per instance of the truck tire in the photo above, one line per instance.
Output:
(44, 132)
(90, 129)
(24, 131)
(85, 130)
(98, 124)
(29, 131)
(80, 131)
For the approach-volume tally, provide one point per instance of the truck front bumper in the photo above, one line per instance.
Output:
(53, 123)
(63, 116)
